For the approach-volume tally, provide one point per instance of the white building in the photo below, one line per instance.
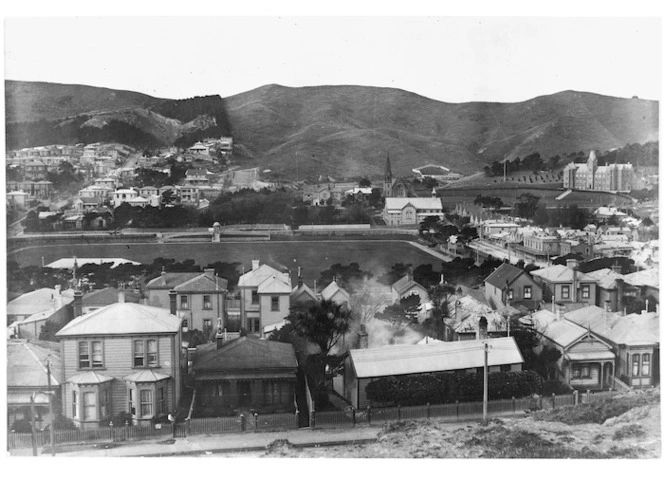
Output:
(411, 211)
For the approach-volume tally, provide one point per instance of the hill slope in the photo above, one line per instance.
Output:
(343, 131)
(347, 130)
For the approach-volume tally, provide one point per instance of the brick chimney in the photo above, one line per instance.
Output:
(255, 263)
(77, 304)
(363, 337)
(173, 297)
(209, 272)
(483, 327)
(617, 268)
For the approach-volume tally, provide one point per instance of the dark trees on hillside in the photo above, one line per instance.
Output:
(526, 205)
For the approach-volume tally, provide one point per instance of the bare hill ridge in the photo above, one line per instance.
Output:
(343, 131)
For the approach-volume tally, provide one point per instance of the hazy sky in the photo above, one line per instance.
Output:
(445, 58)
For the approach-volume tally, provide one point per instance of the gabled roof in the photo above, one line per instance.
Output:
(433, 357)
(332, 289)
(37, 301)
(504, 275)
(123, 319)
(274, 285)
(467, 316)
(563, 332)
(108, 296)
(633, 329)
(302, 293)
(245, 354)
(145, 376)
(560, 273)
(89, 378)
(171, 280)
(420, 203)
(202, 283)
(405, 283)
(255, 277)
(649, 278)
(606, 278)
(26, 363)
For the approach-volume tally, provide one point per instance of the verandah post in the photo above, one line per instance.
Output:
(553, 400)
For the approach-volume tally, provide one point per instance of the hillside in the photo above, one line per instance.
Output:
(45, 113)
(347, 130)
(342, 131)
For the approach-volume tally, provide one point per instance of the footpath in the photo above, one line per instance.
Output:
(212, 444)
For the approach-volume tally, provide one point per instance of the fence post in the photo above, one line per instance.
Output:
(369, 414)
(575, 394)
(457, 409)
(513, 406)
(255, 420)
(587, 396)
(399, 412)
(297, 418)
(110, 424)
(428, 411)
(539, 401)
(243, 422)
(312, 419)
(553, 400)
(354, 419)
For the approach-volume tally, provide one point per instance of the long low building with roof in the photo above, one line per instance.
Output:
(362, 366)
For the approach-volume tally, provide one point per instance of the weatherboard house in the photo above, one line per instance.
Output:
(124, 357)
(411, 211)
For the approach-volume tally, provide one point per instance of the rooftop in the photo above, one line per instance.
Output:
(245, 354)
(26, 363)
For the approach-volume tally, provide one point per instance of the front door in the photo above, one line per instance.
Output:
(244, 393)
(131, 395)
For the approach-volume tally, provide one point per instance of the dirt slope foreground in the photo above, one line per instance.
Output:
(628, 426)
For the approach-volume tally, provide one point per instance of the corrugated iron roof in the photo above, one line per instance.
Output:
(445, 356)
(245, 353)
(420, 203)
(255, 277)
(37, 301)
(274, 285)
(332, 289)
(503, 275)
(26, 363)
(123, 318)
(89, 378)
(560, 273)
(171, 280)
(146, 376)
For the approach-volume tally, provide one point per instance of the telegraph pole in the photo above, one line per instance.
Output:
(486, 382)
(50, 407)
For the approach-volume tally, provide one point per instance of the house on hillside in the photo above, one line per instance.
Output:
(264, 299)
(302, 294)
(362, 366)
(28, 362)
(334, 293)
(564, 284)
(587, 362)
(634, 340)
(198, 298)
(244, 373)
(511, 285)
(123, 357)
(407, 286)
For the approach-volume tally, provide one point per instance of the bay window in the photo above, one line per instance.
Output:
(636, 360)
(74, 404)
(645, 364)
(89, 406)
(146, 402)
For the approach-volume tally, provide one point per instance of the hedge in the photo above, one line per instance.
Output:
(450, 387)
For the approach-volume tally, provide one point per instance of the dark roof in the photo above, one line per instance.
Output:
(107, 296)
(505, 274)
(245, 354)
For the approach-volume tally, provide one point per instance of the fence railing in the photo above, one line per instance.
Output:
(349, 417)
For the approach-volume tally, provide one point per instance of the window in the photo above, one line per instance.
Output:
(103, 403)
(645, 364)
(88, 360)
(152, 353)
(184, 302)
(276, 392)
(207, 302)
(74, 404)
(89, 406)
(132, 410)
(207, 326)
(636, 358)
(274, 303)
(141, 347)
(162, 401)
(510, 294)
(254, 297)
(565, 291)
(83, 355)
(585, 371)
(139, 353)
(146, 403)
(527, 292)
(585, 291)
(254, 325)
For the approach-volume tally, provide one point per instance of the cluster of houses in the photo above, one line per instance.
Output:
(122, 351)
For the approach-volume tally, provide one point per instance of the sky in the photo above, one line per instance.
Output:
(453, 59)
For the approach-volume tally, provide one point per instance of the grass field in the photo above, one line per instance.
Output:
(375, 256)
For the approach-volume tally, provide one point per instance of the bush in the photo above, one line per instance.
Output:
(21, 425)
(555, 386)
(119, 420)
(439, 388)
(63, 423)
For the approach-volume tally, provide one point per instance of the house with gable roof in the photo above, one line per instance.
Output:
(27, 314)
(198, 298)
(511, 285)
(124, 357)
(407, 286)
(301, 293)
(564, 284)
(334, 293)
(411, 211)
(634, 339)
(264, 298)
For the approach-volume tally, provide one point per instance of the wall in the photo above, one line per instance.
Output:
(268, 317)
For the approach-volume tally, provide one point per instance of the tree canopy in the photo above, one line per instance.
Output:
(323, 324)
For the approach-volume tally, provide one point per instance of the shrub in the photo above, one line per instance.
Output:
(450, 387)
(21, 425)
(63, 423)
(555, 386)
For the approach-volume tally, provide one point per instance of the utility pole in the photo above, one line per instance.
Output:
(50, 408)
(486, 382)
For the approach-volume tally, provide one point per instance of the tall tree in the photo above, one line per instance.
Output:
(323, 324)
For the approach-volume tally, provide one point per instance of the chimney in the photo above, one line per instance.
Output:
(299, 277)
(255, 263)
(173, 297)
(78, 303)
(363, 337)
(442, 279)
(209, 272)
(57, 289)
(572, 263)
(617, 268)
(607, 305)
(121, 295)
(163, 269)
(483, 328)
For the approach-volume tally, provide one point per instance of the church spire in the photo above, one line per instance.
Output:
(387, 184)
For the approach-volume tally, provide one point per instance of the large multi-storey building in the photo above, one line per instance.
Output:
(590, 176)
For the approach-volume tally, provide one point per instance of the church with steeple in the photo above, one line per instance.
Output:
(394, 188)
